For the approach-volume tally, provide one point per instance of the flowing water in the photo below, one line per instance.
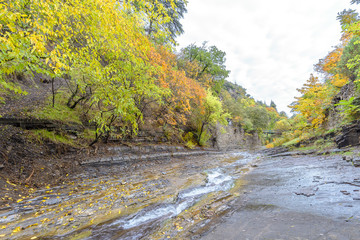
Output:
(155, 201)
(217, 179)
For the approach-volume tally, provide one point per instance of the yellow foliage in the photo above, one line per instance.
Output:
(270, 145)
(332, 59)
(312, 103)
(338, 80)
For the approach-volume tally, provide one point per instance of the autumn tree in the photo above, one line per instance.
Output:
(97, 47)
(282, 125)
(313, 101)
(208, 115)
(21, 47)
(184, 93)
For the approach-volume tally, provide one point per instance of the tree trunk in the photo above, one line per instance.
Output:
(201, 131)
(53, 92)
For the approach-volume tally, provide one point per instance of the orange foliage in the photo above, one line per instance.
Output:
(271, 109)
(185, 92)
(332, 59)
(329, 66)
(193, 70)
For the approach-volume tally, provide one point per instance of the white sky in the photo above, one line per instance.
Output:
(271, 46)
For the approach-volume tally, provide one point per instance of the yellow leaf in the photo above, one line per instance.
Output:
(11, 183)
(18, 229)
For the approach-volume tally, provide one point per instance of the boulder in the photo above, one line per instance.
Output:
(348, 158)
(356, 162)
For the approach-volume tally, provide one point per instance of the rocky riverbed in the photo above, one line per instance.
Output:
(156, 199)
(235, 195)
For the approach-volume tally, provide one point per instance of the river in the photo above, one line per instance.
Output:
(158, 200)
(235, 195)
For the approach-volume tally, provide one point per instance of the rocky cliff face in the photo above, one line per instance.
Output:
(234, 137)
(333, 115)
(350, 133)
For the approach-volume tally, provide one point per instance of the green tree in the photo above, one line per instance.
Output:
(162, 18)
(349, 64)
(282, 125)
(272, 104)
(210, 114)
(211, 62)
(259, 117)
(347, 17)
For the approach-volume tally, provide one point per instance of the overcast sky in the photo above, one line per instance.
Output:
(271, 46)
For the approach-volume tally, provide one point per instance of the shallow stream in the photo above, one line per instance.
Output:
(153, 201)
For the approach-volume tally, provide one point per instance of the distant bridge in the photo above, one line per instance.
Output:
(272, 132)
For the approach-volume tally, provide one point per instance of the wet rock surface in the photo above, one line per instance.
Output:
(296, 197)
(232, 195)
(151, 199)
